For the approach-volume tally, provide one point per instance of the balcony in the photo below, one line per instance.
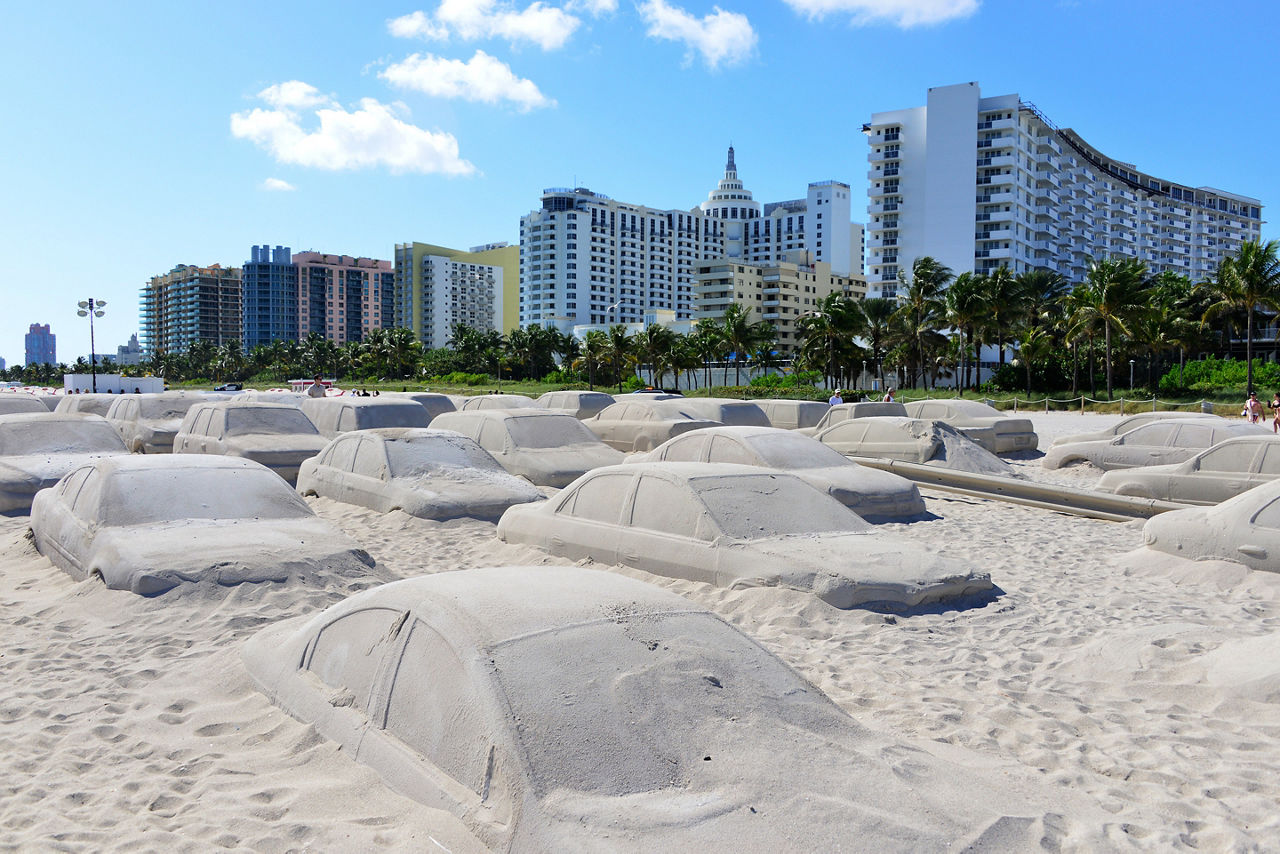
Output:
(998, 124)
(1051, 211)
(885, 207)
(882, 172)
(1000, 252)
(884, 154)
(1048, 142)
(997, 161)
(1050, 177)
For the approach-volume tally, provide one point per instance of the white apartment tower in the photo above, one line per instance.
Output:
(978, 183)
(586, 259)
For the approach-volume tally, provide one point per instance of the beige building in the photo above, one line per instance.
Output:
(437, 287)
(780, 294)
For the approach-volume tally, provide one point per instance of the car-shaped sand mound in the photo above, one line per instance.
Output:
(569, 709)
(38, 448)
(277, 435)
(912, 440)
(1211, 476)
(151, 523)
(977, 420)
(1245, 529)
(877, 496)
(431, 474)
(1161, 442)
(546, 448)
(736, 526)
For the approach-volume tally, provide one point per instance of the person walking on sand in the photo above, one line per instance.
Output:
(888, 396)
(1253, 407)
(316, 389)
(1275, 412)
(835, 398)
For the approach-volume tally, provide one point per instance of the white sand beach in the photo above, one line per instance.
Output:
(1147, 685)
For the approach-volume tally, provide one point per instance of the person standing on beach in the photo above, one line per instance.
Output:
(835, 398)
(1253, 407)
(1275, 412)
(888, 396)
(316, 389)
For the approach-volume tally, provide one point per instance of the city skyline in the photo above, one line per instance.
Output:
(164, 136)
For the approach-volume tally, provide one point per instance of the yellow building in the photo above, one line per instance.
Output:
(437, 287)
(780, 294)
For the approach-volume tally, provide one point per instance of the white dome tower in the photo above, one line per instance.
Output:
(734, 207)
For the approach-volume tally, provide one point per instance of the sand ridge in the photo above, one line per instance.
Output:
(1149, 685)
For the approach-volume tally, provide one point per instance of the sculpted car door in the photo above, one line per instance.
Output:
(662, 535)
(83, 527)
(1148, 445)
(588, 522)
(1269, 469)
(1226, 471)
(341, 461)
(61, 531)
(368, 475)
(217, 432)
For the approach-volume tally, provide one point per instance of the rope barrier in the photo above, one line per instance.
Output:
(1132, 403)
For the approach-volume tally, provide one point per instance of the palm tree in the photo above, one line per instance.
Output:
(1114, 295)
(879, 327)
(921, 306)
(827, 337)
(708, 343)
(621, 352)
(655, 346)
(967, 309)
(1248, 281)
(592, 354)
(743, 336)
(1005, 302)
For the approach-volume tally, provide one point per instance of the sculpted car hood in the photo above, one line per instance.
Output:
(271, 443)
(49, 468)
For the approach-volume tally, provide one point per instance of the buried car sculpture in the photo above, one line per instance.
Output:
(559, 708)
(431, 474)
(38, 448)
(1211, 476)
(1245, 529)
(872, 494)
(151, 523)
(736, 526)
(1155, 443)
(546, 448)
(276, 435)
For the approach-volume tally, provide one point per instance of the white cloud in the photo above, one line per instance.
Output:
(276, 185)
(595, 8)
(371, 135)
(549, 27)
(482, 78)
(901, 13)
(721, 37)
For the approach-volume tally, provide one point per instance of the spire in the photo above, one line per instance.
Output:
(730, 167)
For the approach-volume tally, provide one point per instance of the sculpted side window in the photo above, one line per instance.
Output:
(1196, 436)
(665, 507)
(1229, 458)
(370, 459)
(600, 499)
(347, 652)
(726, 450)
(1156, 435)
(1269, 516)
(686, 449)
(1271, 459)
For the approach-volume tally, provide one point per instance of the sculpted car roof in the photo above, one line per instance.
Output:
(696, 471)
(46, 417)
(175, 462)
(502, 603)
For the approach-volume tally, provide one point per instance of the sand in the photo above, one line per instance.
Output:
(1144, 683)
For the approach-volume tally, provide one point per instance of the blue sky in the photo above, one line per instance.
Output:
(141, 135)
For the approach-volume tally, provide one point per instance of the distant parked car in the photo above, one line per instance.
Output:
(432, 474)
(148, 422)
(559, 708)
(497, 401)
(579, 404)
(974, 419)
(149, 524)
(873, 494)
(547, 448)
(15, 402)
(1245, 529)
(637, 425)
(1124, 425)
(276, 435)
(38, 448)
(833, 415)
(735, 526)
(732, 413)
(1170, 440)
(1210, 477)
(229, 387)
(86, 404)
(334, 415)
(792, 414)
(433, 402)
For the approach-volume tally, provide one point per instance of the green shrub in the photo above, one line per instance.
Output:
(1212, 375)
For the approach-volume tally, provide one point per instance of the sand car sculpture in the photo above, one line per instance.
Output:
(290, 398)
(1210, 477)
(86, 404)
(1130, 422)
(1172, 440)
(151, 523)
(545, 448)
(497, 401)
(148, 422)
(974, 419)
(642, 425)
(848, 411)
(877, 496)
(736, 526)
(1245, 529)
(579, 404)
(911, 440)
(732, 413)
(558, 708)
(792, 414)
(14, 403)
(434, 402)
(431, 474)
(334, 415)
(38, 448)
(276, 435)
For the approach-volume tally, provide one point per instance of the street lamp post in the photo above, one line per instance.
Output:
(92, 308)
(862, 377)
(1131, 374)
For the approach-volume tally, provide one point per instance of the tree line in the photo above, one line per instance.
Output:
(1047, 333)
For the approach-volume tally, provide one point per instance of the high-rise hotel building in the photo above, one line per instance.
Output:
(586, 259)
(437, 288)
(978, 183)
(190, 304)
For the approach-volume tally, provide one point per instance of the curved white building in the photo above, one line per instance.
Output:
(982, 182)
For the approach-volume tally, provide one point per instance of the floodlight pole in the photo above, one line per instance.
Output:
(92, 308)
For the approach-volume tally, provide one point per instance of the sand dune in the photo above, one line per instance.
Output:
(1147, 685)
